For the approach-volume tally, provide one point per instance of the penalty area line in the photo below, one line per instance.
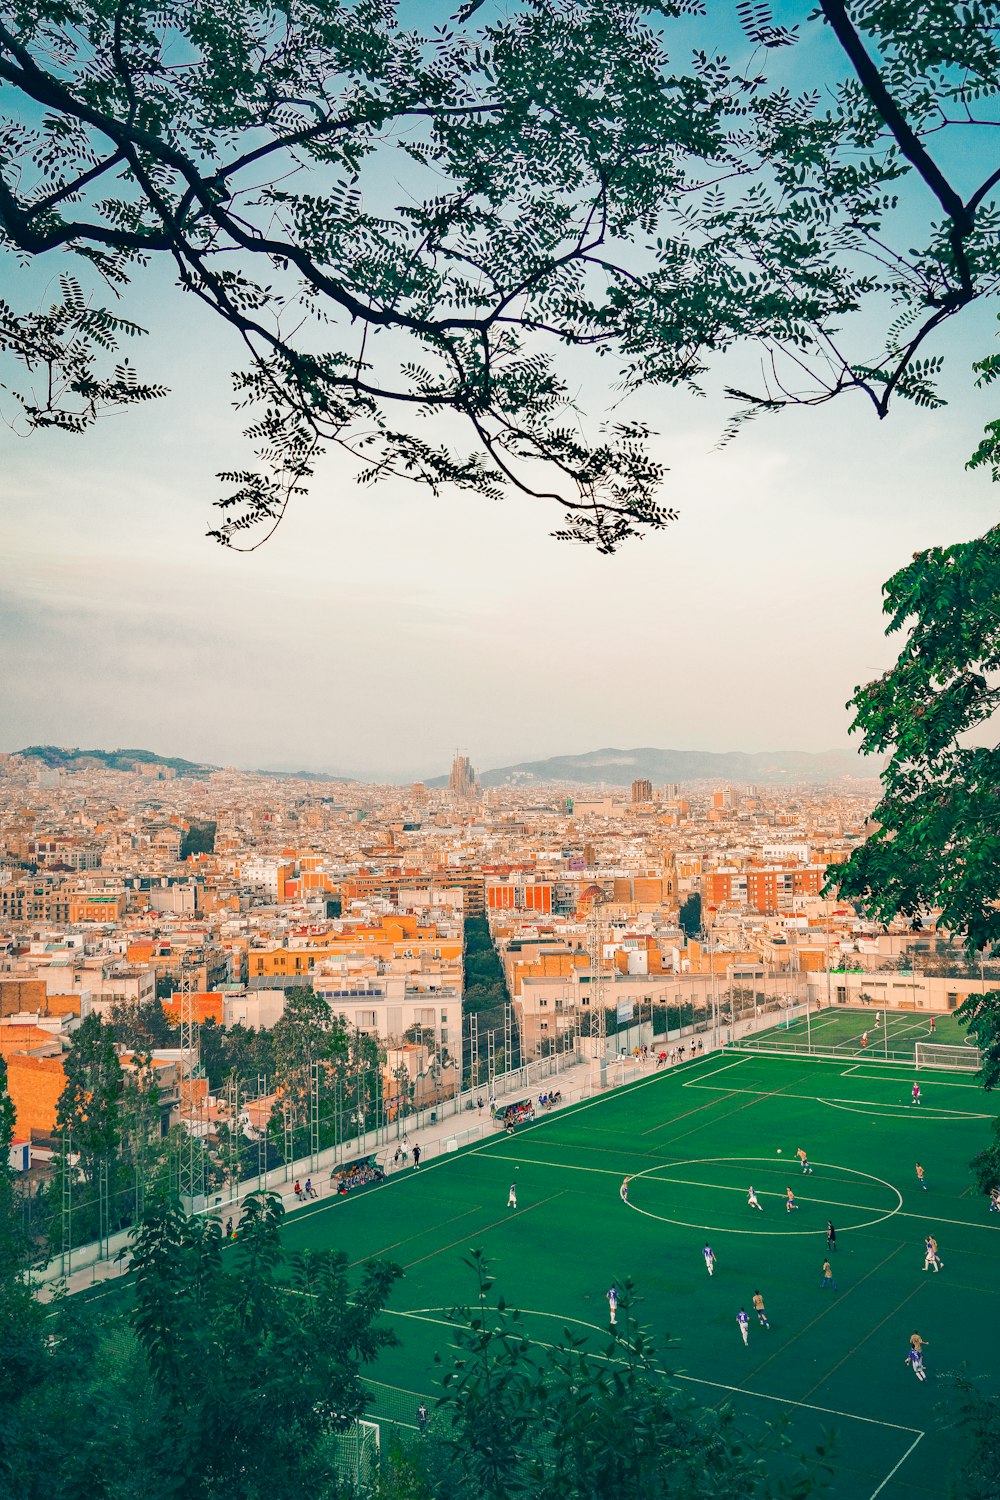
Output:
(420, 1315)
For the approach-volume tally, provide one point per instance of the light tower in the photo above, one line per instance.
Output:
(189, 1165)
(594, 895)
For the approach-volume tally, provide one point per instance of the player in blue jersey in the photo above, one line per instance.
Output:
(744, 1322)
(709, 1255)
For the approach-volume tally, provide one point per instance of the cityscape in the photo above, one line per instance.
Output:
(499, 687)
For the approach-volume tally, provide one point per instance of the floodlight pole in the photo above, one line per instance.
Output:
(598, 1019)
(809, 1040)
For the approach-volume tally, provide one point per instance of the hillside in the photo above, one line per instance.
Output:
(58, 758)
(620, 767)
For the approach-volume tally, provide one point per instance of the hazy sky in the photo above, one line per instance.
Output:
(379, 630)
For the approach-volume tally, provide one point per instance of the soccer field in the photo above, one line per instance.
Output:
(840, 1029)
(695, 1139)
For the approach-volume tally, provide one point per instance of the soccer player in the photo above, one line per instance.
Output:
(831, 1235)
(915, 1360)
(878, 1019)
(752, 1200)
(422, 1416)
(995, 1200)
(623, 1190)
(915, 1092)
(932, 1027)
(612, 1296)
(864, 1039)
(931, 1260)
(227, 1233)
(416, 1157)
(709, 1255)
(804, 1159)
(920, 1176)
(512, 1196)
(790, 1202)
(758, 1306)
(827, 1276)
(744, 1322)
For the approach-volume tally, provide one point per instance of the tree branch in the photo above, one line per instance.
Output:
(909, 143)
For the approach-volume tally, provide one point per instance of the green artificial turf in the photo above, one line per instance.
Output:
(695, 1138)
(840, 1029)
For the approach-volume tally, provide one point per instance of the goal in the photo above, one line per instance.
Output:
(357, 1456)
(958, 1059)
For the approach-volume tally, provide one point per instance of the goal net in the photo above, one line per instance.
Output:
(358, 1450)
(958, 1059)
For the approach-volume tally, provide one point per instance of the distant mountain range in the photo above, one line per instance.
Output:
(620, 767)
(610, 766)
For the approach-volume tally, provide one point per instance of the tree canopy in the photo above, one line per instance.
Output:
(89, 1107)
(408, 233)
(562, 1420)
(936, 840)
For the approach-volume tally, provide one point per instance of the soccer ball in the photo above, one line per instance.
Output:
(779, 1150)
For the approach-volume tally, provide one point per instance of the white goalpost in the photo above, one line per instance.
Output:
(358, 1452)
(956, 1059)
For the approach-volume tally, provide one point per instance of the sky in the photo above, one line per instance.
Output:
(380, 630)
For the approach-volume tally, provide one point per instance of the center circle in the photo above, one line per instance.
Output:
(698, 1161)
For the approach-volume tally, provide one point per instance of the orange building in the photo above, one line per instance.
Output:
(206, 1006)
(101, 907)
(34, 1085)
(771, 888)
(516, 895)
(21, 994)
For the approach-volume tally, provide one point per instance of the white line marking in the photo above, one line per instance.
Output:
(690, 1083)
(419, 1315)
(900, 1213)
(863, 1107)
(893, 1470)
(858, 1104)
(742, 1229)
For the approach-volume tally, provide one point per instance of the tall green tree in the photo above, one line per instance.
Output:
(590, 178)
(566, 1420)
(229, 1373)
(319, 1068)
(936, 842)
(141, 1025)
(89, 1107)
(21, 1326)
(259, 1358)
(239, 1051)
(689, 917)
